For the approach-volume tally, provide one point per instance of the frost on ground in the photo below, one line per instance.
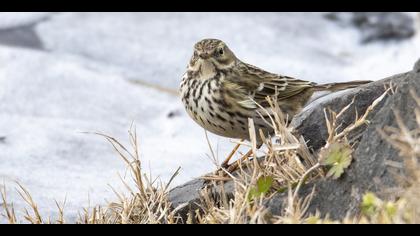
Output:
(81, 84)
(155, 47)
(48, 100)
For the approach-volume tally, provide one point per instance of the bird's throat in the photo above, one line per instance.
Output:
(205, 68)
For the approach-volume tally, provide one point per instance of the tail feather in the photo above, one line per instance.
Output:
(340, 86)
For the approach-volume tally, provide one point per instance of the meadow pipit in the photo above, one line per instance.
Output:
(220, 92)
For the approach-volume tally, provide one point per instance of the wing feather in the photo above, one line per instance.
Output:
(254, 84)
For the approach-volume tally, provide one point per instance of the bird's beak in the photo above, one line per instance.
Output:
(204, 55)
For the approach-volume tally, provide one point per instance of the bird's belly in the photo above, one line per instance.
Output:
(228, 121)
(206, 105)
(214, 120)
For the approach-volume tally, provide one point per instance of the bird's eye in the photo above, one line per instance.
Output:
(220, 51)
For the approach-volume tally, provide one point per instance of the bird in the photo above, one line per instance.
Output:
(220, 92)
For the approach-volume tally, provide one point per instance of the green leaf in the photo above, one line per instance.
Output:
(313, 220)
(338, 157)
(264, 184)
(370, 204)
(391, 209)
(253, 193)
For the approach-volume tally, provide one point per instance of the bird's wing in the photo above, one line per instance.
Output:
(254, 85)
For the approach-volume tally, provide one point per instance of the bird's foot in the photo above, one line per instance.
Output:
(226, 170)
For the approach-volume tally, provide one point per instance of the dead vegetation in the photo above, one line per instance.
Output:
(285, 167)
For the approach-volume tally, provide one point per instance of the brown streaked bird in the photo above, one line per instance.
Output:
(220, 91)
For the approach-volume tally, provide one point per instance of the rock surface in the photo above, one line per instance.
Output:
(370, 169)
(17, 29)
(378, 26)
(311, 121)
(26, 37)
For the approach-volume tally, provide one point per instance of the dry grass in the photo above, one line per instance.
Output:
(147, 203)
(288, 164)
(285, 167)
(9, 209)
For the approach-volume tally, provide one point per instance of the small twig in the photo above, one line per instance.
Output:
(214, 159)
(172, 178)
(303, 178)
(10, 212)
(26, 196)
(359, 121)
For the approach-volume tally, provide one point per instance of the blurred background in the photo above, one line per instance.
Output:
(63, 74)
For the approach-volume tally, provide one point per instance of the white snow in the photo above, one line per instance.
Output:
(48, 100)
(82, 83)
(155, 47)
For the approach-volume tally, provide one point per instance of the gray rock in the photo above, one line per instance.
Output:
(416, 68)
(23, 36)
(384, 25)
(2, 139)
(188, 196)
(173, 114)
(369, 170)
(311, 122)
(378, 26)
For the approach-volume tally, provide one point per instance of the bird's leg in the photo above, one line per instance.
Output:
(225, 163)
(235, 165)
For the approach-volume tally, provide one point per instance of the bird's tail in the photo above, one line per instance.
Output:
(333, 87)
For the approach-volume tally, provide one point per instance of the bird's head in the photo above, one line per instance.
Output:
(214, 51)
